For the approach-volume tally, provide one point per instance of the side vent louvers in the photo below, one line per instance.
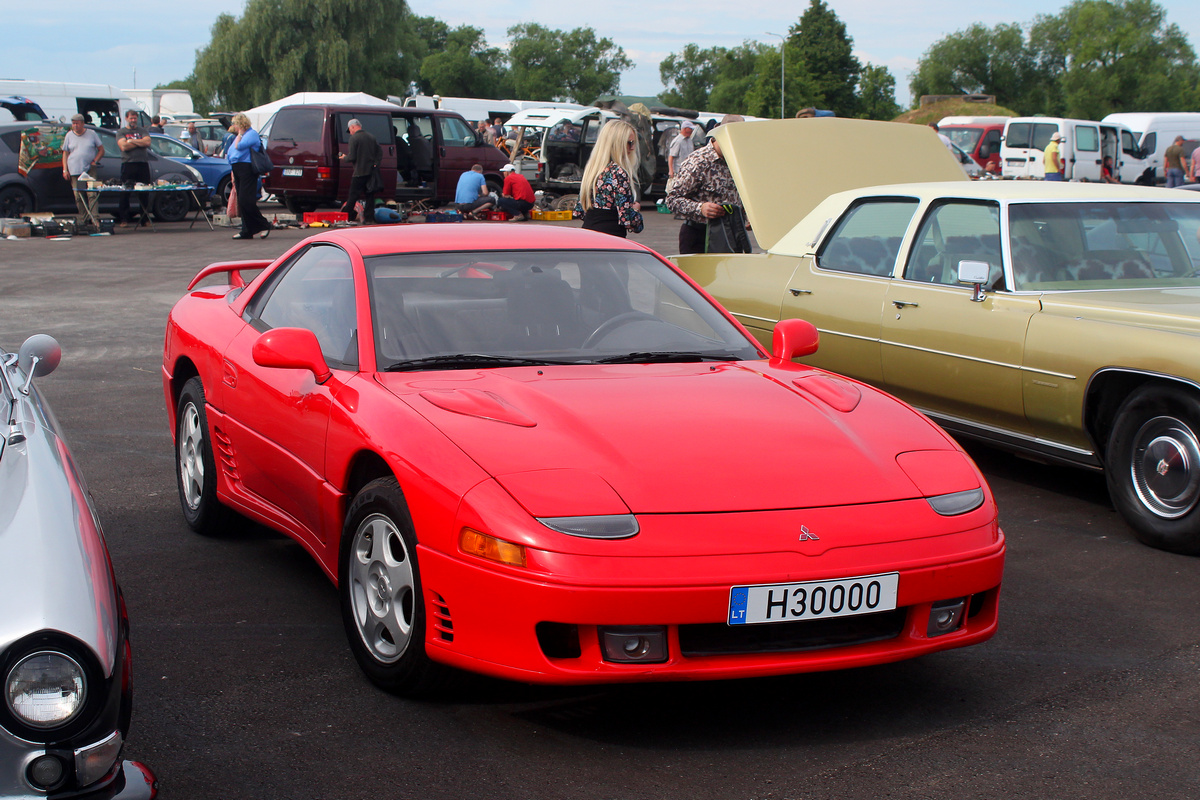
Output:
(441, 619)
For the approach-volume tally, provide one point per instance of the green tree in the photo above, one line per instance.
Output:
(283, 46)
(825, 52)
(980, 59)
(556, 65)
(465, 66)
(762, 99)
(877, 94)
(737, 73)
(1117, 55)
(691, 73)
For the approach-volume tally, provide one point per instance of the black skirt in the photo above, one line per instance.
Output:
(604, 220)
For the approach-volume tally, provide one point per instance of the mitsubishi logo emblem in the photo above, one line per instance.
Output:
(1163, 467)
(808, 536)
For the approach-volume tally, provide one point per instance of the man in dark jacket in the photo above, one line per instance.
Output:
(365, 154)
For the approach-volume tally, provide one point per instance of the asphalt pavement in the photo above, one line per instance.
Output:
(245, 688)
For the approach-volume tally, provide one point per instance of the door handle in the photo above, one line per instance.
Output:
(798, 292)
(903, 304)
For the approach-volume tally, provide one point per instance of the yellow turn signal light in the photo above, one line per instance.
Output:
(491, 548)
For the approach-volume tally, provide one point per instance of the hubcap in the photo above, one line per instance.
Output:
(1166, 467)
(191, 458)
(382, 588)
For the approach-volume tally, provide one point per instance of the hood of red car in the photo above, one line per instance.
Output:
(672, 438)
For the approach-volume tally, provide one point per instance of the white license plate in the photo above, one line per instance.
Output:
(291, 172)
(792, 602)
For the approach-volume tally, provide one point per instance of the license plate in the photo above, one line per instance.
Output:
(291, 172)
(792, 602)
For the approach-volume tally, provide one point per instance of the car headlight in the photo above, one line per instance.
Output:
(195, 173)
(955, 503)
(46, 690)
(607, 526)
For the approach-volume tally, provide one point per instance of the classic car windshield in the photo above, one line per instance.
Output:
(441, 310)
(1104, 245)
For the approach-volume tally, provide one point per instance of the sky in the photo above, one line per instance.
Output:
(138, 45)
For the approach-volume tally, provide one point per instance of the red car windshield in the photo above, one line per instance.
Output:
(440, 310)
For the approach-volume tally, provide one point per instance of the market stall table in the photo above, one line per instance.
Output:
(197, 192)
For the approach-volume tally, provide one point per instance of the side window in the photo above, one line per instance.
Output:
(1087, 138)
(316, 291)
(956, 231)
(1150, 143)
(455, 132)
(297, 124)
(109, 142)
(423, 125)
(867, 239)
(1127, 145)
(378, 125)
(165, 147)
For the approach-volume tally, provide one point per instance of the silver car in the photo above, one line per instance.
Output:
(64, 634)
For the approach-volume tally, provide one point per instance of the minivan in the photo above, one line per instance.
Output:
(979, 136)
(305, 143)
(1150, 134)
(1084, 146)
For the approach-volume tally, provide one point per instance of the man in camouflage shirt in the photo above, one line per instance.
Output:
(702, 186)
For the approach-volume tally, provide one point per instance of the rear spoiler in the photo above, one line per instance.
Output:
(234, 268)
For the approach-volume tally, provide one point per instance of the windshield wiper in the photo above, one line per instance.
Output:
(669, 356)
(471, 360)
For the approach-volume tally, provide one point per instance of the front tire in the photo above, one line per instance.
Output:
(195, 468)
(379, 581)
(1153, 467)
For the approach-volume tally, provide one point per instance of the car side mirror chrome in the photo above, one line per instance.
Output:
(39, 355)
(794, 338)
(291, 348)
(974, 272)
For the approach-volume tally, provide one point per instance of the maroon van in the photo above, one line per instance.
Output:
(424, 152)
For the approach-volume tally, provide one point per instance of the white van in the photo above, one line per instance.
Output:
(1151, 134)
(1084, 146)
(103, 105)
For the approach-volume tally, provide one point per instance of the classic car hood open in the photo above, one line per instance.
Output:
(1165, 309)
(648, 431)
(785, 168)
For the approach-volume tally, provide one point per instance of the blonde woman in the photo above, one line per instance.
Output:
(245, 179)
(607, 196)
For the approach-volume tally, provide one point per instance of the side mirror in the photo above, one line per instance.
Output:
(39, 355)
(794, 338)
(291, 348)
(974, 272)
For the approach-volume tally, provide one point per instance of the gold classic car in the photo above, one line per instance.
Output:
(1059, 321)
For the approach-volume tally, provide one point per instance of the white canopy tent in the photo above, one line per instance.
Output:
(259, 116)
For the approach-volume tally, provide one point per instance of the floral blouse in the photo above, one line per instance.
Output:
(613, 191)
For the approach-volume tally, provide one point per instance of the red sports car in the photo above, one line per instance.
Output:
(544, 454)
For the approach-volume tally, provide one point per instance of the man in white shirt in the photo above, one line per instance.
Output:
(81, 152)
(680, 148)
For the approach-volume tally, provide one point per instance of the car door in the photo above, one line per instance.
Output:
(278, 418)
(942, 351)
(456, 151)
(1083, 153)
(841, 289)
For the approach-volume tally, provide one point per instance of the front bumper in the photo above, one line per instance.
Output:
(485, 619)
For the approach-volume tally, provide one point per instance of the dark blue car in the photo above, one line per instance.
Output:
(216, 171)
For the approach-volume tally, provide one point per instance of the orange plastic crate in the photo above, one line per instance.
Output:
(325, 216)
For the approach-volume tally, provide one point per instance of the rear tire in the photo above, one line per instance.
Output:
(1153, 467)
(379, 581)
(15, 202)
(195, 468)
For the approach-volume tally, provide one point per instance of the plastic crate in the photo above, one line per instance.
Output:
(551, 216)
(325, 216)
(499, 216)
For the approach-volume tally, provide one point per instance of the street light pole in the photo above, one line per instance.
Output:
(782, 65)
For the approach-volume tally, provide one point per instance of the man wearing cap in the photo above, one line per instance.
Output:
(1175, 162)
(517, 197)
(680, 148)
(1052, 159)
(365, 154)
(81, 152)
(702, 188)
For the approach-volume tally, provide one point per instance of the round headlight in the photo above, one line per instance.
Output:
(45, 690)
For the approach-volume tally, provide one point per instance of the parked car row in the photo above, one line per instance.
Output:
(44, 188)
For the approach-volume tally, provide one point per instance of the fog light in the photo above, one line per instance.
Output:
(634, 645)
(46, 772)
(946, 616)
